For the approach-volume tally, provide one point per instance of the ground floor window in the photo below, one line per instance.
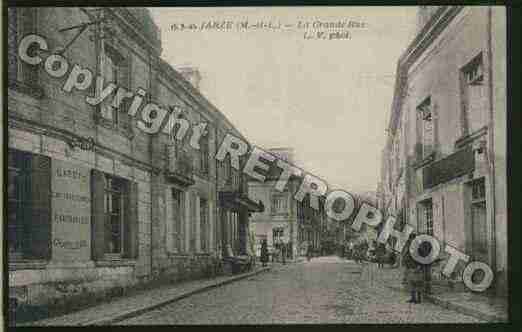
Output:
(203, 221)
(479, 237)
(115, 216)
(29, 205)
(177, 218)
(115, 195)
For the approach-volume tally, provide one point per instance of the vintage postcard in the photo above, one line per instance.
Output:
(256, 165)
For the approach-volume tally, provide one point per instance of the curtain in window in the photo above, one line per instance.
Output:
(108, 70)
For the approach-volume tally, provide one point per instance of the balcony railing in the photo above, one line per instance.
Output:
(454, 165)
(180, 168)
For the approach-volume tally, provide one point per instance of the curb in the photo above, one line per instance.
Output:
(491, 318)
(137, 311)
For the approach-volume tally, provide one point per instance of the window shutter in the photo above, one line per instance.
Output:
(197, 224)
(27, 21)
(169, 220)
(131, 226)
(98, 214)
(39, 221)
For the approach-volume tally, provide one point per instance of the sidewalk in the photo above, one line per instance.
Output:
(123, 308)
(493, 309)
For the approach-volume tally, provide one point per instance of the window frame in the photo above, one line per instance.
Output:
(31, 245)
(427, 216)
(121, 192)
(425, 114)
(472, 76)
(203, 224)
(121, 74)
(279, 203)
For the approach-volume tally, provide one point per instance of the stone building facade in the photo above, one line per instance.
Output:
(97, 205)
(284, 219)
(444, 163)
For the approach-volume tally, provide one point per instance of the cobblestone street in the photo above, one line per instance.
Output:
(324, 290)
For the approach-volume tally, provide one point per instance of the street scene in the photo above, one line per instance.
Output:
(325, 290)
(244, 165)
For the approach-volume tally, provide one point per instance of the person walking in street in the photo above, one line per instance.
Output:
(380, 253)
(283, 253)
(264, 253)
(309, 252)
(413, 273)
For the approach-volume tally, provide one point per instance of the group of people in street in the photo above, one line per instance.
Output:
(280, 251)
(363, 251)
(415, 276)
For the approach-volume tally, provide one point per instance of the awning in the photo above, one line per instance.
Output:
(235, 201)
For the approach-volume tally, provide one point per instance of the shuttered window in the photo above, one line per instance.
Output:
(115, 69)
(473, 94)
(115, 217)
(21, 21)
(29, 205)
(175, 212)
(203, 221)
(425, 116)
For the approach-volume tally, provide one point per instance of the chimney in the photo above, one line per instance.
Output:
(191, 74)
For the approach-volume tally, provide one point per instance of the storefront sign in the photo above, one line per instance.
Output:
(71, 212)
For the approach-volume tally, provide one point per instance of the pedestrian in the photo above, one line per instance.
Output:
(380, 252)
(264, 253)
(309, 253)
(413, 273)
(283, 252)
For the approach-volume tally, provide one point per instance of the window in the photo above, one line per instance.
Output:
(114, 217)
(426, 217)
(277, 235)
(279, 204)
(12, 40)
(478, 191)
(228, 169)
(29, 189)
(176, 220)
(114, 214)
(479, 234)
(425, 128)
(204, 155)
(20, 22)
(203, 219)
(192, 224)
(473, 95)
(115, 69)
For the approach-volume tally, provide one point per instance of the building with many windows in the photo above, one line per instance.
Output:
(444, 164)
(96, 204)
(285, 221)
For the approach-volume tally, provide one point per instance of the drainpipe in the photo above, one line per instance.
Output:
(490, 151)
(216, 168)
(152, 174)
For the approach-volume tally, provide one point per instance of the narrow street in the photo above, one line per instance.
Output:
(324, 290)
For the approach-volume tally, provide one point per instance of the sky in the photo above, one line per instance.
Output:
(329, 100)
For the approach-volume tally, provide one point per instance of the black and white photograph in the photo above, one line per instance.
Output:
(256, 165)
